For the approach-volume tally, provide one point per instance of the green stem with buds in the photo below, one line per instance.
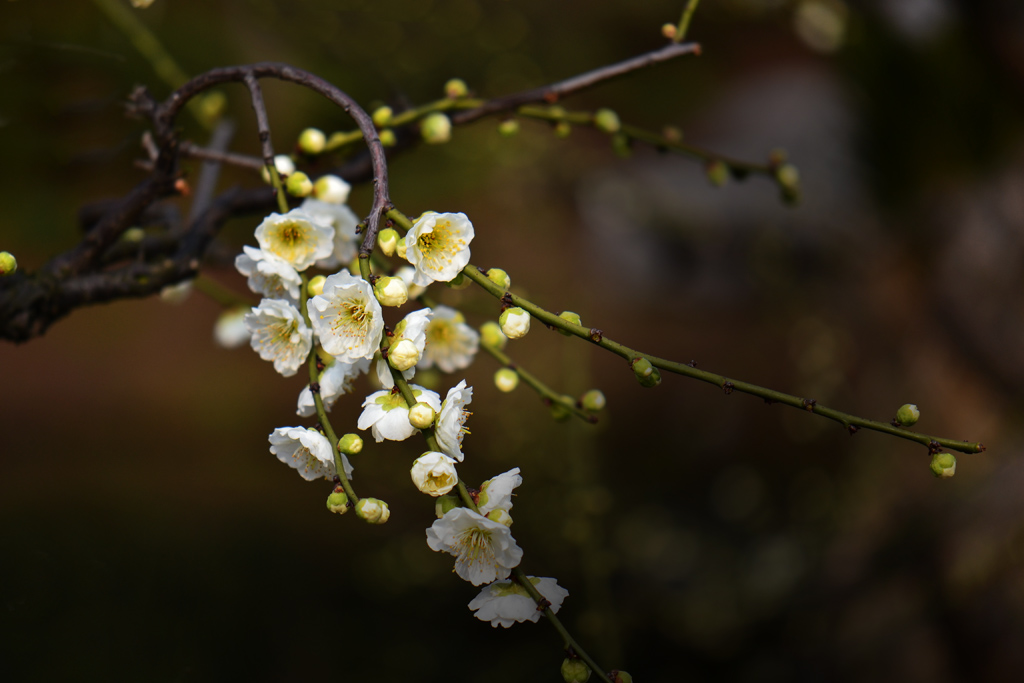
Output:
(684, 21)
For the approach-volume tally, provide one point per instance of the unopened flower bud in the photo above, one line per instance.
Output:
(717, 172)
(500, 516)
(456, 88)
(646, 373)
(391, 291)
(350, 444)
(908, 414)
(284, 165)
(436, 129)
(491, 335)
(444, 505)
(298, 184)
(421, 415)
(569, 317)
(212, 105)
(176, 294)
(373, 511)
(508, 127)
(506, 379)
(607, 120)
(672, 134)
(559, 411)
(943, 465)
(434, 473)
(338, 501)
(387, 137)
(312, 141)
(593, 400)
(316, 285)
(788, 178)
(621, 677)
(130, 235)
(332, 189)
(403, 355)
(230, 331)
(562, 129)
(8, 264)
(499, 277)
(622, 145)
(515, 322)
(382, 116)
(669, 31)
(142, 4)
(400, 247)
(575, 670)
(387, 240)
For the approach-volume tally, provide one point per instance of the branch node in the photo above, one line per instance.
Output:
(809, 404)
(727, 387)
(596, 335)
(853, 429)
(692, 364)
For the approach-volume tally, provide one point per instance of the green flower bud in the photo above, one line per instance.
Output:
(562, 129)
(491, 335)
(508, 127)
(212, 105)
(788, 178)
(559, 412)
(316, 285)
(436, 129)
(500, 516)
(298, 184)
(338, 501)
(506, 379)
(621, 677)
(499, 277)
(382, 117)
(373, 510)
(575, 670)
(607, 120)
(387, 240)
(387, 137)
(460, 281)
(403, 355)
(391, 291)
(908, 415)
(129, 235)
(312, 141)
(593, 400)
(515, 322)
(622, 145)
(646, 373)
(284, 165)
(400, 247)
(421, 415)
(672, 134)
(943, 465)
(717, 172)
(444, 504)
(669, 31)
(569, 317)
(456, 88)
(350, 444)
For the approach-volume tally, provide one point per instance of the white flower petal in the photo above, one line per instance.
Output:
(504, 603)
(347, 318)
(438, 246)
(483, 550)
(296, 238)
(279, 334)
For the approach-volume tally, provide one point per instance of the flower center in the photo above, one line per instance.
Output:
(474, 546)
(291, 233)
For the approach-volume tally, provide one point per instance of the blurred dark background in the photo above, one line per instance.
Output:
(148, 534)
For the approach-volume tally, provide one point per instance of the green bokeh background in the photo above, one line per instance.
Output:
(148, 534)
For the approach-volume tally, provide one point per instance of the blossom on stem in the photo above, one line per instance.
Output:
(344, 221)
(230, 330)
(307, 451)
(434, 473)
(386, 414)
(483, 550)
(503, 603)
(269, 274)
(346, 317)
(279, 334)
(451, 343)
(438, 246)
(412, 328)
(332, 189)
(296, 237)
(336, 380)
(496, 493)
(452, 418)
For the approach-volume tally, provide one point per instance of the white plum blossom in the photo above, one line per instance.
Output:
(336, 380)
(483, 550)
(496, 493)
(279, 334)
(307, 451)
(503, 603)
(230, 330)
(438, 246)
(387, 413)
(331, 189)
(296, 237)
(344, 221)
(434, 473)
(452, 418)
(269, 274)
(346, 317)
(408, 274)
(413, 328)
(451, 343)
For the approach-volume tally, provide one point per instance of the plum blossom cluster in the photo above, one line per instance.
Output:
(339, 316)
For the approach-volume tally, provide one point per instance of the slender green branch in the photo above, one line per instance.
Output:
(321, 412)
(684, 21)
(546, 393)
